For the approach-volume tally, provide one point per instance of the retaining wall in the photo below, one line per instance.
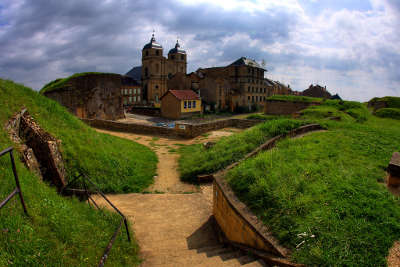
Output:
(280, 107)
(235, 219)
(181, 130)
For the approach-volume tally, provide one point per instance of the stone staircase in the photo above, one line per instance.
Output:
(177, 230)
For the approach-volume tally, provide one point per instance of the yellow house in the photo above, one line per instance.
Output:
(177, 104)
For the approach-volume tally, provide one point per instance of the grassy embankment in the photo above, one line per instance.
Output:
(195, 159)
(391, 111)
(63, 231)
(325, 189)
(60, 82)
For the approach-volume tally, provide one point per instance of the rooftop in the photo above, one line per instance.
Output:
(246, 62)
(184, 94)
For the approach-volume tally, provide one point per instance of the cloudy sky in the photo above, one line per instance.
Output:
(351, 46)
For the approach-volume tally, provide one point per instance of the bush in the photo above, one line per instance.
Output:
(393, 113)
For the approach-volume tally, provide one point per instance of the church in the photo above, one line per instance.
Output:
(157, 69)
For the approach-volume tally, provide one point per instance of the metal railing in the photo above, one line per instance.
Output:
(83, 193)
(17, 189)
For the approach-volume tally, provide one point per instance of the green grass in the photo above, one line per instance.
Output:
(326, 184)
(393, 113)
(115, 164)
(63, 231)
(392, 101)
(61, 82)
(264, 117)
(294, 98)
(195, 159)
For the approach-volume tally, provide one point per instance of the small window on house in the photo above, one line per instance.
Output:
(138, 98)
(134, 91)
(194, 104)
(189, 104)
(185, 104)
(130, 91)
(125, 101)
(134, 99)
(130, 99)
(138, 91)
(126, 91)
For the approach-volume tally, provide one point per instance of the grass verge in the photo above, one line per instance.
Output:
(195, 159)
(324, 189)
(63, 231)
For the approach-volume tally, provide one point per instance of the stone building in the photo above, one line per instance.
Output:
(157, 69)
(131, 92)
(91, 95)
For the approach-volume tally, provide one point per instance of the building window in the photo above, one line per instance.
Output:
(189, 104)
(130, 91)
(185, 104)
(134, 99)
(248, 89)
(122, 91)
(147, 53)
(134, 91)
(156, 97)
(126, 91)
(157, 52)
(194, 104)
(172, 57)
(248, 80)
(252, 98)
(248, 98)
(130, 99)
(138, 91)
(146, 72)
(138, 98)
(182, 57)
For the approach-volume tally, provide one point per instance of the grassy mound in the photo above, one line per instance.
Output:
(62, 231)
(324, 189)
(393, 113)
(195, 159)
(116, 165)
(60, 82)
(391, 101)
(337, 108)
(295, 98)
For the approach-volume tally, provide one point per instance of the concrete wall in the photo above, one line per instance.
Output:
(181, 130)
(280, 107)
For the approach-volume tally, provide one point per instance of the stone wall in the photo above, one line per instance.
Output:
(181, 130)
(148, 111)
(280, 107)
(92, 96)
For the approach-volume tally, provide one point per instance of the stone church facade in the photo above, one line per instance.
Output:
(157, 69)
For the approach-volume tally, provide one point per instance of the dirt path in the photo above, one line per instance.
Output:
(167, 179)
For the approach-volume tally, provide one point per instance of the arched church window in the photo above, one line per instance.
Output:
(157, 52)
(147, 53)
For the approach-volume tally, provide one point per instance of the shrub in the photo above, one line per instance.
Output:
(393, 113)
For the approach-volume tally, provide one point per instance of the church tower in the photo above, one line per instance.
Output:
(154, 82)
(176, 60)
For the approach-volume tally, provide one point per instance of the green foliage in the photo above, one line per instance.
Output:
(264, 117)
(295, 98)
(337, 108)
(393, 113)
(62, 231)
(60, 82)
(195, 159)
(392, 101)
(115, 164)
(325, 185)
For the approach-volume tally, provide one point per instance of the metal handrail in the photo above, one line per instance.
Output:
(88, 193)
(17, 189)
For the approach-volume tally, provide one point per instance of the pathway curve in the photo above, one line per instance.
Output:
(174, 228)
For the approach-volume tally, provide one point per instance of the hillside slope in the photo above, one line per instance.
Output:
(63, 231)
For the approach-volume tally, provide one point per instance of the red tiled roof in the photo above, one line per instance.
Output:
(185, 94)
